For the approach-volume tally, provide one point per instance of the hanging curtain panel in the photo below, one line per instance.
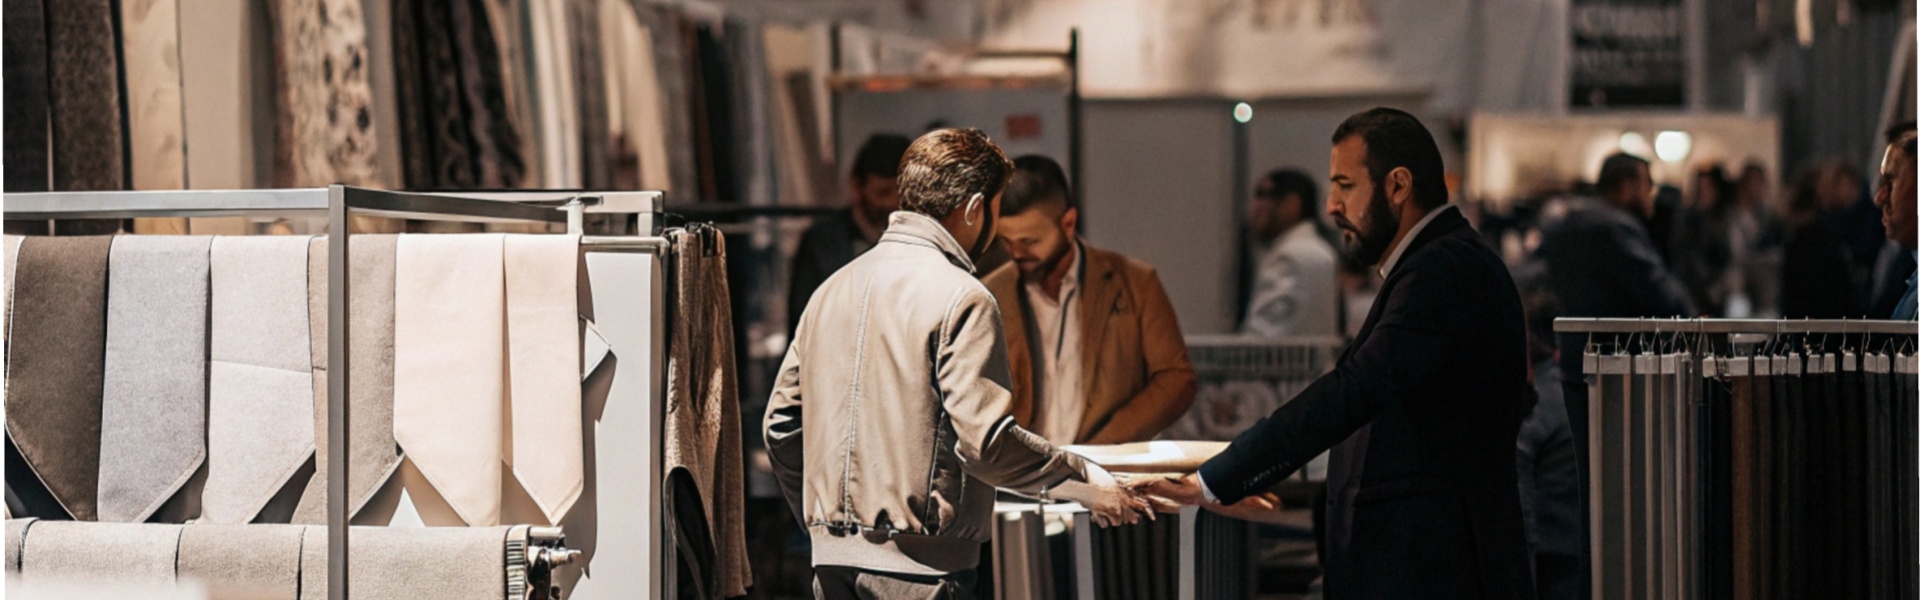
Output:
(323, 102)
(23, 65)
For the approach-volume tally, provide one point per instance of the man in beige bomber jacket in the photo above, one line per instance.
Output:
(890, 422)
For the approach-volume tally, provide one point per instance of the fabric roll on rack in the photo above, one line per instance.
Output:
(137, 553)
(449, 355)
(261, 562)
(260, 396)
(16, 537)
(56, 369)
(372, 454)
(153, 420)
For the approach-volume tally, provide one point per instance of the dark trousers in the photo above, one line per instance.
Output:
(850, 583)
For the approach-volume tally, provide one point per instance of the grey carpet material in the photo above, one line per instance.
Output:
(137, 553)
(372, 454)
(258, 562)
(260, 401)
(153, 414)
(23, 65)
(420, 563)
(84, 95)
(16, 536)
(55, 368)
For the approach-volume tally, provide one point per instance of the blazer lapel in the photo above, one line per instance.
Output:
(1016, 314)
(1100, 290)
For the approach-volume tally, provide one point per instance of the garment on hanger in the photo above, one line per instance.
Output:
(260, 397)
(449, 353)
(156, 129)
(153, 420)
(23, 64)
(251, 561)
(372, 454)
(543, 353)
(83, 66)
(55, 365)
(323, 102)
(703, 398)
(122, 553)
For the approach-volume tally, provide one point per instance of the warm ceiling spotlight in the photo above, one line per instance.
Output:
(1243, 112)
(1672, 146)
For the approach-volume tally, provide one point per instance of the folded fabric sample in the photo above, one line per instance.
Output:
(260, 397)
(430, 563)
(16, 535)
(153, 413)
(1159, 456)
(259, 562)
(139, 553)
(55, 365)
(372, 455)
(543, 350)
(12, 249)
(449, 354)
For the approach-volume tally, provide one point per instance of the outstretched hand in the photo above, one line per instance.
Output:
(1168, 494)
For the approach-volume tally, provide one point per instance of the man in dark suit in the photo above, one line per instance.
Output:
(1421, 412)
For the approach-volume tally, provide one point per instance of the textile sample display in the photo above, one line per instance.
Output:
(83, 68)
(117, 552)
(703, 403)
(323, 103)
(23, 64)
(156, 129)
(55, 366)
(372, 454)
(250, 561)
(449, 351)
(152, 414)
(457, 130)
(543, 340)
(260, 397)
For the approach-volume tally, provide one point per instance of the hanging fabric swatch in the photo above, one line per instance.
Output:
(111, 553)
(371, 454)
(543, 349)
(752, 126)
(508, 18)
(83, 65)
(635, 83)
(243, 561)
(323, 102)
(260, 398)
(703, 398)
(672, 57)
(156, 131)
(153, 414)
(590, 92)
(459, 132)
(713, 104)
(23, 64)
(449, 352)
(555, 103)
(55, 365)
(8, 262)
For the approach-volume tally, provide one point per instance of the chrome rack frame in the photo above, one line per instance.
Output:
(339, 203)
(1734, 326)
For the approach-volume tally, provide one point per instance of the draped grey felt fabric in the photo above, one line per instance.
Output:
(430, 563)
(23, 65)
(153, 413)
(16, 535)
(84, 95)
(55, 365)
(372, 454)
(135, 553)
(260, 398)
(259, 562)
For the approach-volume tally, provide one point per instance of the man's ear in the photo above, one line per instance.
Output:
(1399, 187)
(1070, 220)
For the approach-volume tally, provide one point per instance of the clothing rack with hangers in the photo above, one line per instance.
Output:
(624, 257)
(1750, 458)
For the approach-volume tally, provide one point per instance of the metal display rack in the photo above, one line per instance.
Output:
(339, 203)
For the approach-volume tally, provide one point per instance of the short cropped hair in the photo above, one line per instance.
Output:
(1617, 170)
(944, 169)
(1038, 182)
(1396, 139)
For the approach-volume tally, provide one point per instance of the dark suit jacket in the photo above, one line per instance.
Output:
(1421, 494)
(831, 243)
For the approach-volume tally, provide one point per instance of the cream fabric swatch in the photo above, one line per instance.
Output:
(417, 563)
(260, 398)
(153, 419)
(136, 553)
(449, 353)
(543, 343)
(256, 562)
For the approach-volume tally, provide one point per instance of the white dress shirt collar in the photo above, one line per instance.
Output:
(1394, 257)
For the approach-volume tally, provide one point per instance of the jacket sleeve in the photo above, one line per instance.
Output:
(785, 446)
(1409, 344)
(1641, 272)
(1170, 381)
(970, 367)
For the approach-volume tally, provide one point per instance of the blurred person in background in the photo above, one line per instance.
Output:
(1701, 255)
(1094, 346)
(1548, 464)
(1754, 236)
(1895, 197)
(832, 242)
(1296, 288)
(1818, 279)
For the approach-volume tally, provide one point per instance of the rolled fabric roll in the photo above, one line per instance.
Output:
(54, 374)
(419, 563)
(133, 553)
(153, 419)
(260, 562)
(371, 454)
(543, 349)
(260, 398)
(449, 353)
(16, 536)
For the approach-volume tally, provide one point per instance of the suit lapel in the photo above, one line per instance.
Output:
(1016, 314)
(1099, 288)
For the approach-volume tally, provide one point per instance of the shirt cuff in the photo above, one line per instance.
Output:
(1205, 492)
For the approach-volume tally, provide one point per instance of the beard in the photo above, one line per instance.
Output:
(1366, 242)
(1037, 269)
